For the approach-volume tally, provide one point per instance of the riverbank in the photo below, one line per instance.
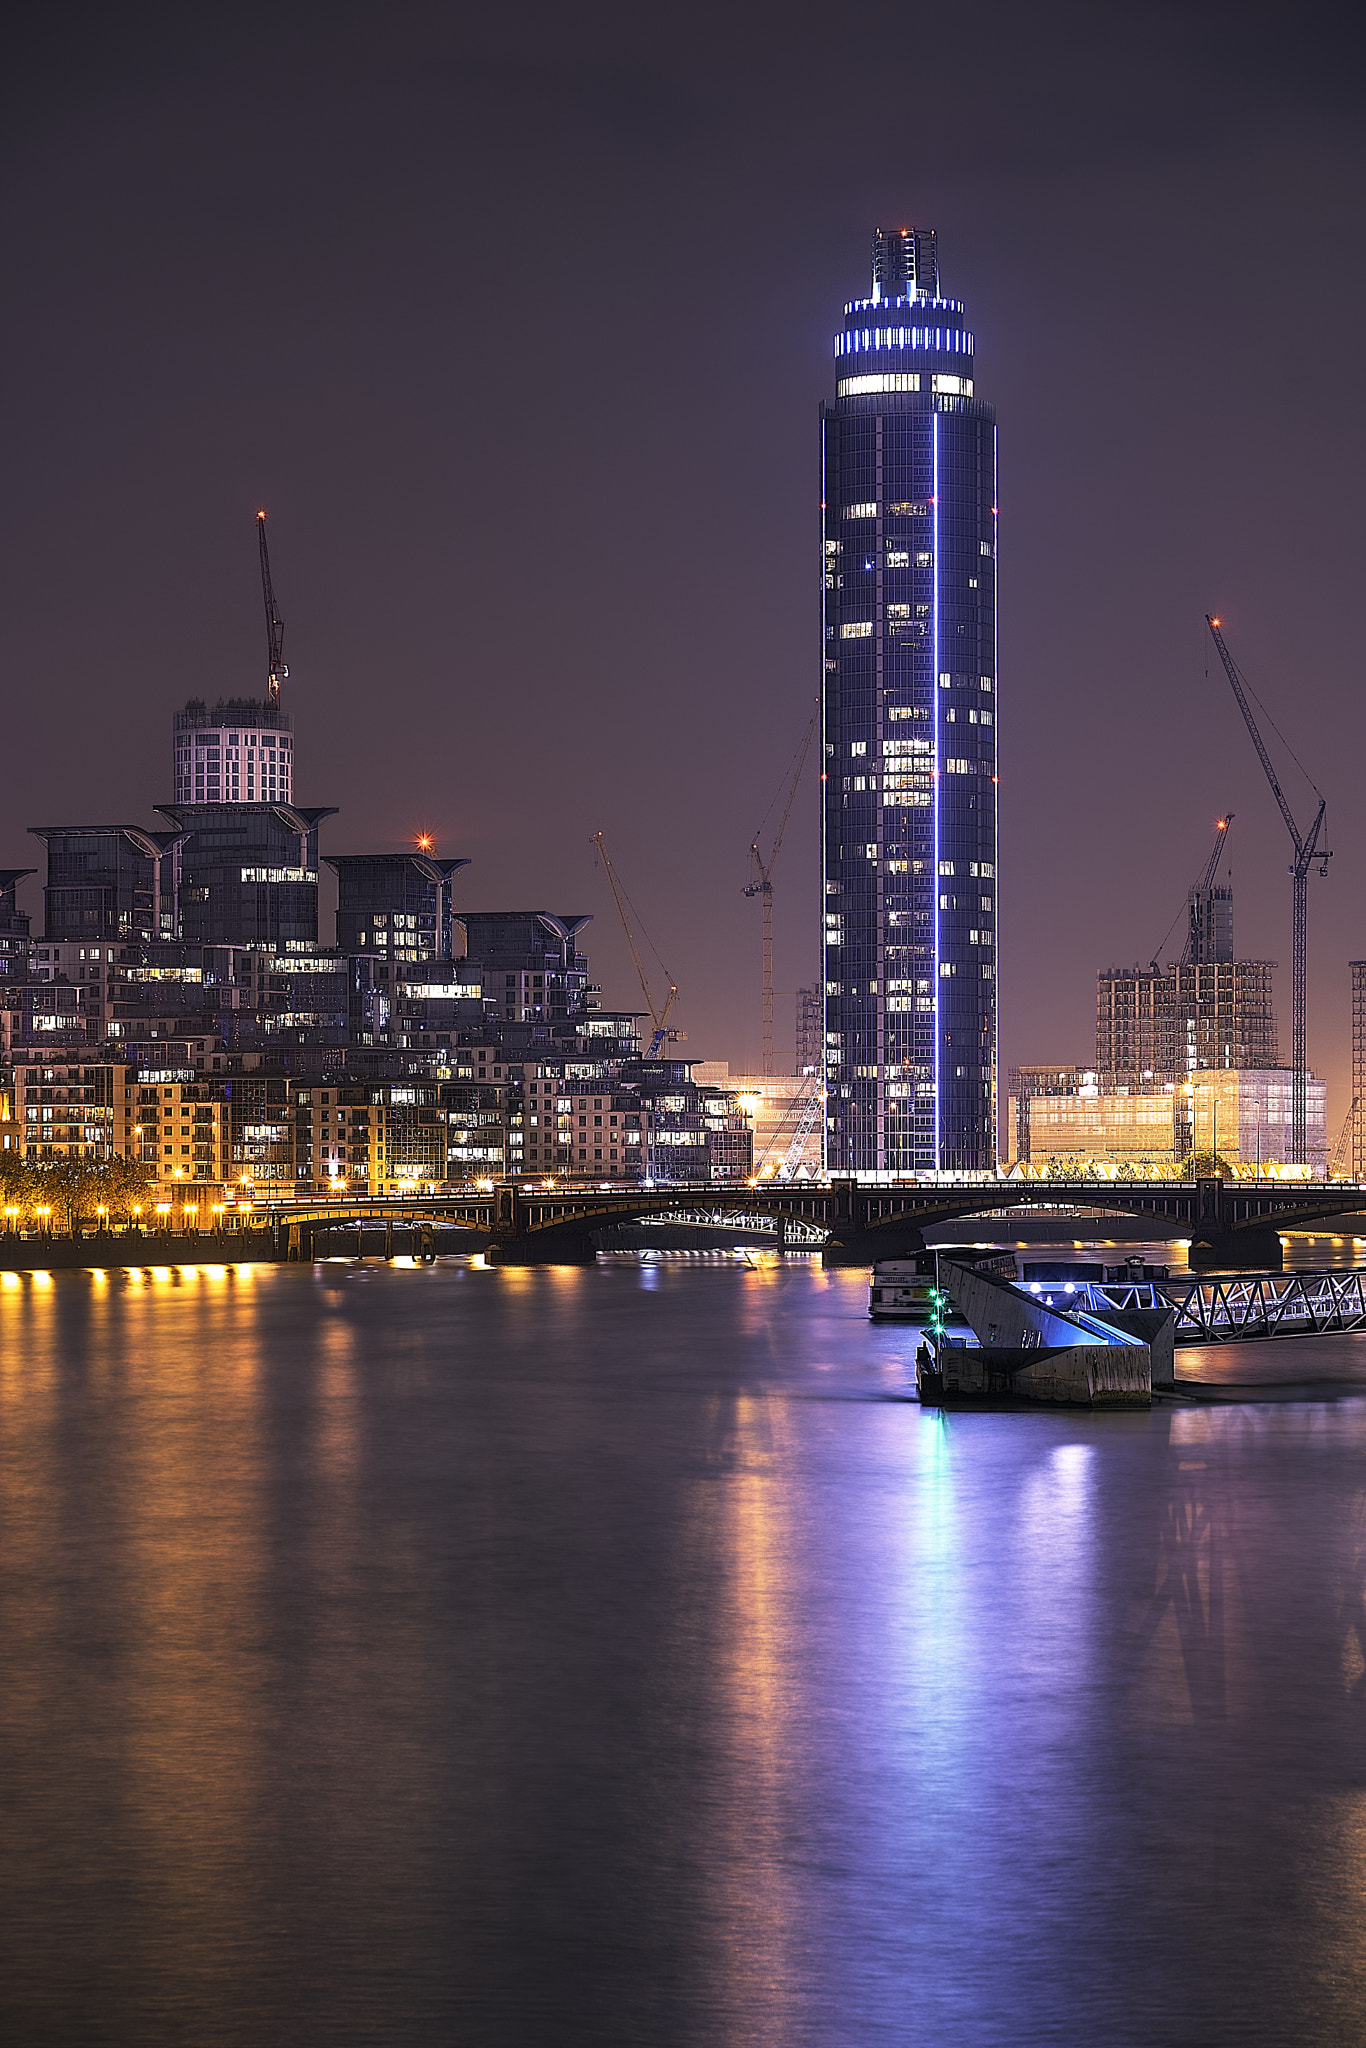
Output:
(155, 1248)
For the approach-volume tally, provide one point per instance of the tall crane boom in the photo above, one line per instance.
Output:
(1307, 851)
(659, 1017)
(275, 625)
(763, 886)
(1202, 888)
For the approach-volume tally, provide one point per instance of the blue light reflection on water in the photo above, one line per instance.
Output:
(617, 1655)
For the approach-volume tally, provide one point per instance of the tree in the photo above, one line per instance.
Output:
(1206, 1166)
(77, 1188)
(18, 1182)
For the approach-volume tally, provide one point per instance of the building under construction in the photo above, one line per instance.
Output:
(1157, 1023)
(1205, 1010)
(1163, 1035)
(1063, 1117)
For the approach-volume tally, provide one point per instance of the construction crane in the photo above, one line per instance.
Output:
(1307, 852)
(659, 1017)
(796, 1125)
(1348, 1130)
(1193, 894)
(763, 886)
(275, 625)
(1203, 887)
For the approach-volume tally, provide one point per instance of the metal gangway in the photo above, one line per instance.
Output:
(1227, 1308)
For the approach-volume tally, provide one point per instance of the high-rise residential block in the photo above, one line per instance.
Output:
(109, 882)
(530, 961)
(248, 874)
(239, 751)
(14, 928)
(396, 905)
(908, 468)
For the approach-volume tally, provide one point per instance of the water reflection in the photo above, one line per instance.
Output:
(603, 1656)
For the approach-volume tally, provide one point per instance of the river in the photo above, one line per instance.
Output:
(618, 1655)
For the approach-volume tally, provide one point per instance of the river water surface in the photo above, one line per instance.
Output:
(394, 1656)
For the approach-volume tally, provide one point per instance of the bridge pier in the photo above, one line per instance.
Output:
(1258, 1249)
(1217, 1243)
(543, 1248)
(866, 1247)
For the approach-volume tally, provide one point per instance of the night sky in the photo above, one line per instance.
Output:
(518, 324)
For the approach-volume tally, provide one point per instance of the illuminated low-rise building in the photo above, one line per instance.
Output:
(1069, 1117)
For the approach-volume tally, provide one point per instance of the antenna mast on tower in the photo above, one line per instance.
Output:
(275, 625)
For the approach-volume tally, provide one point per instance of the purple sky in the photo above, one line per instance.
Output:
(519, 324)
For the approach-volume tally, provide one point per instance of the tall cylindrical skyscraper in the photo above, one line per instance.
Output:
(908, 466)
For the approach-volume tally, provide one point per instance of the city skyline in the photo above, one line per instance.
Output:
(551, 573)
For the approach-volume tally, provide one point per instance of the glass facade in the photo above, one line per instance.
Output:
(395, 905)
(248, 874)
(908, 462)
(109, 882)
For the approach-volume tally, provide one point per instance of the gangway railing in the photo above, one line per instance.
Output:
(1226, 1308)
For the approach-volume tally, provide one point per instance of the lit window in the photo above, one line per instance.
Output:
(864, 511)
(954, 386)
(857, 629)
(898, 611)
(869, 387)
(898, 558)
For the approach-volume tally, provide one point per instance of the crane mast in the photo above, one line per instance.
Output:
(762, 886)
(1307, 851)
(659, 1017)
(275, 625)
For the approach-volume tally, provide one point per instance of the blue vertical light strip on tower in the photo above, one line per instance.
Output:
(822, 788)
(995, 806)
(934, 864)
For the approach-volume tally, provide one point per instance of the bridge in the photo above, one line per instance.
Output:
(1226, 1223)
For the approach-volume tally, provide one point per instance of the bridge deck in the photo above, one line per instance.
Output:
(845, 1209)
